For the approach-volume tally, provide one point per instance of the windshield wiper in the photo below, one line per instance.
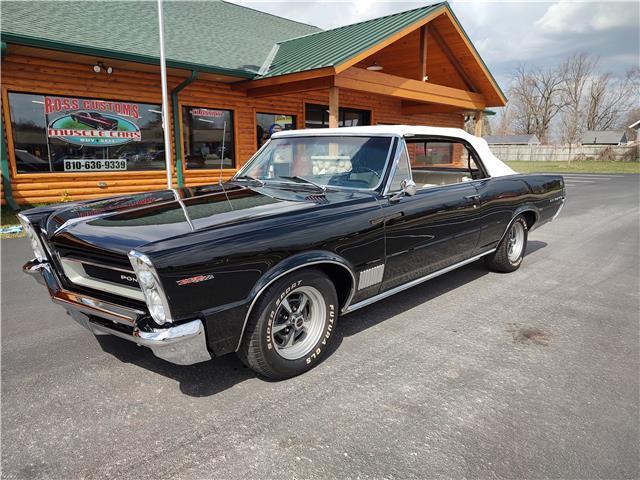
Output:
(250, 178)
(322, 188)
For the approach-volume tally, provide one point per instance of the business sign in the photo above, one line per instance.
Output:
(206, 112)
(92, 123)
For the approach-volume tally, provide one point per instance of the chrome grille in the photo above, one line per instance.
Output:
(123, 283)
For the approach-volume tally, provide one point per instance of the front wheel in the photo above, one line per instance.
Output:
(510, 252)
(290, 326)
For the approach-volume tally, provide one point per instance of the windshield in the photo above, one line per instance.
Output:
(349, 161)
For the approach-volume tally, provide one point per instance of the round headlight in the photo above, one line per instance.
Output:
(155, 308)
(145, 277)
(151, 287)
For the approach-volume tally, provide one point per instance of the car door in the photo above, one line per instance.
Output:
(428, 231)
(499, 197)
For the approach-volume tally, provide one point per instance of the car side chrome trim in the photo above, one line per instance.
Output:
(413, 283)
(559, 209)
(319, 262)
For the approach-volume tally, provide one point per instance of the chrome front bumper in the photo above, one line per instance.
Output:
(183, 344)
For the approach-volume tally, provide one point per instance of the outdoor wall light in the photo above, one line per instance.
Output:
(99, 66)
(374, 67)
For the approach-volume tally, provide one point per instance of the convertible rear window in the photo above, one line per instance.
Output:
(341, 161)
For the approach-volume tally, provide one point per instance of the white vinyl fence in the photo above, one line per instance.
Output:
(564, 153)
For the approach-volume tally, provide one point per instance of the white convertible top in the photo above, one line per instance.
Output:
(494, 166)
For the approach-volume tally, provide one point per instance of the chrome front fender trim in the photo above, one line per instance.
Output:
(308, 264)
(413, 283)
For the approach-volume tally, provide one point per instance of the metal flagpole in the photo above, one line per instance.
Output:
(165, 101)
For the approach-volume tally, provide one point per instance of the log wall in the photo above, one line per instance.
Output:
(39, 75)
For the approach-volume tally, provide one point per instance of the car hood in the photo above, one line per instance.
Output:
(120, 224)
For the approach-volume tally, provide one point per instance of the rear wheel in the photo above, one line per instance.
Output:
(510, 252)
(291, 325)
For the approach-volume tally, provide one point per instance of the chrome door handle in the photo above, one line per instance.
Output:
(474, 199)
(393, 216)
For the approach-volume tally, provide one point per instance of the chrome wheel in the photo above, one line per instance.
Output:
(299, 322)
(515, 242)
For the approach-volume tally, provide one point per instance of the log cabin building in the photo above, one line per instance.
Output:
(81, 96)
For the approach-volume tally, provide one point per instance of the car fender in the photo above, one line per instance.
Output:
(291, 264)
(527, 207)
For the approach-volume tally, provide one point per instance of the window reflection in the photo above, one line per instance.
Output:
(269, 123)
(208, 138)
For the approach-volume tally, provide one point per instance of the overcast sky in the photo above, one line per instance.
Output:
(505, 33)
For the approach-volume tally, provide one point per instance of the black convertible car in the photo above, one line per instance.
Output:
(317, 224)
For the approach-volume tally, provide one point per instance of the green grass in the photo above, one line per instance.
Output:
(8, 218)
(576, 167)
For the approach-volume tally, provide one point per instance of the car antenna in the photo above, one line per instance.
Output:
(224, 134)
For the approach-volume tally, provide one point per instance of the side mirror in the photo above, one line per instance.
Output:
(409, 187)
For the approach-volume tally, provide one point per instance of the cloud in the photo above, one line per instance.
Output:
(332, 14)
(584, 17)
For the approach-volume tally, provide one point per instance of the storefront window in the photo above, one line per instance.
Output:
(208, 138)
(70, 134)
(317, 116)
(268, 123)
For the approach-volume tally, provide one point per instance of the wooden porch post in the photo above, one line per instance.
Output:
(479, 120)
(423, 54)
(334, 107)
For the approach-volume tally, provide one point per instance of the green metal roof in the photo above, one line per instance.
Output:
(332, 47)
(223, 36)
(209, 36)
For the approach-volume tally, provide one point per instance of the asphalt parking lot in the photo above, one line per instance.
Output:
(533, 374)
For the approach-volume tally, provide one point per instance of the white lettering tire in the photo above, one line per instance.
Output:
(291, 325)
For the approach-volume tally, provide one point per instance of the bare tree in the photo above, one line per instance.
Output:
(610, 98)
(503, 121)
(537, 97)
(576, 71)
